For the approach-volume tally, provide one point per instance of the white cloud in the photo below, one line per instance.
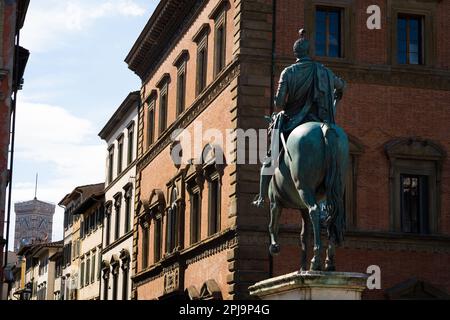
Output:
(50, 134)
(49, 22)
(50, 137)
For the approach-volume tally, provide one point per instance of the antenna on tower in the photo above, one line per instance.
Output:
(35, 187)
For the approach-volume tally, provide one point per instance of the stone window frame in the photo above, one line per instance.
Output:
(130, 142)
(87, 273)
(111, 163)
(180, 63)
(120, 144)
(428, 10)
(351, 185)
(348, 23)
(128, 197)
(163, 117)
(156, 209)
(201, 39)
(82, 264)
(125, 257)
(115, 271)
(213, 170)
(108, 213)
(144, 222)
(194, 181)
(219, 15)
(176, 183)
(151, 123)
(117, 214)
(94, 265)
(415, 156)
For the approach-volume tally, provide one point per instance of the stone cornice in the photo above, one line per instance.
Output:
(191, 113)
(168, 23)
(206, 248)
(387, 241)
(420, 77)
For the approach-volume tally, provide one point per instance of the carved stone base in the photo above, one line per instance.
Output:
(311, 285)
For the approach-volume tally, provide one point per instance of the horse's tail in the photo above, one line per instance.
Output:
(335, 220)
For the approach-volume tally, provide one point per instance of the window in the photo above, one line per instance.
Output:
(409, 39)
(214, 206)
(181, 64)
(414, 203)
(93, 267)
(163, 109)
(219, 15)
(88, 270)
(181, 90)
(415, 185)
(99, 267)
(106, 270)
(115, 288)
(119, 155)
(172, 212)
(82, 274)
(202, 61)
(151, 123)
(130, 151)
(125, 273)
(220, 49)
(128, 211)
(145, 243)
(328, 33)
(201, 38)
(196, 205)
(108, 224)
(117, 207)
(350, 193)
(111, 164)
(157, 240)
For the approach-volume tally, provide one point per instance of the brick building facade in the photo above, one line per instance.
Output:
(13, 59)
(217, 62)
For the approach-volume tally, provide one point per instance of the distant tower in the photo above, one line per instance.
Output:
(34, 222)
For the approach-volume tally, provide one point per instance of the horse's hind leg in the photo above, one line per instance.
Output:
(275, 211)
(304, 238)
(329, 262)
(309, 200)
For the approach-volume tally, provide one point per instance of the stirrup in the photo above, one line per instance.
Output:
(259, 201)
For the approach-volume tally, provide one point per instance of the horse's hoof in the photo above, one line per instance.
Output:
(274, 249)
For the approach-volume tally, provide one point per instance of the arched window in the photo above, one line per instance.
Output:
(172, 212)
(213, 164)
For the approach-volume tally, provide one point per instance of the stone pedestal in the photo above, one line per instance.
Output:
(312, 285)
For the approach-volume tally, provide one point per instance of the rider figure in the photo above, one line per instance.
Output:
(307, 91)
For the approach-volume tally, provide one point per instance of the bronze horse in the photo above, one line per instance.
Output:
(313, 170)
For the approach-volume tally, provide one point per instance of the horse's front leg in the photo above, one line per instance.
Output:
(275, 211)
(330, 261)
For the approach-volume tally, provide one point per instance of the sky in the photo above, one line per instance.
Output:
(75, 79)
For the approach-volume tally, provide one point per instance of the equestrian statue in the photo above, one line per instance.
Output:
(307, 172)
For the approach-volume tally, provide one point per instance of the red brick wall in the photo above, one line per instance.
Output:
(8, 17)
(375, 114)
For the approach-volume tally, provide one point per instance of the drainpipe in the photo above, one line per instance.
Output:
(13, 133)
(272, 88)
